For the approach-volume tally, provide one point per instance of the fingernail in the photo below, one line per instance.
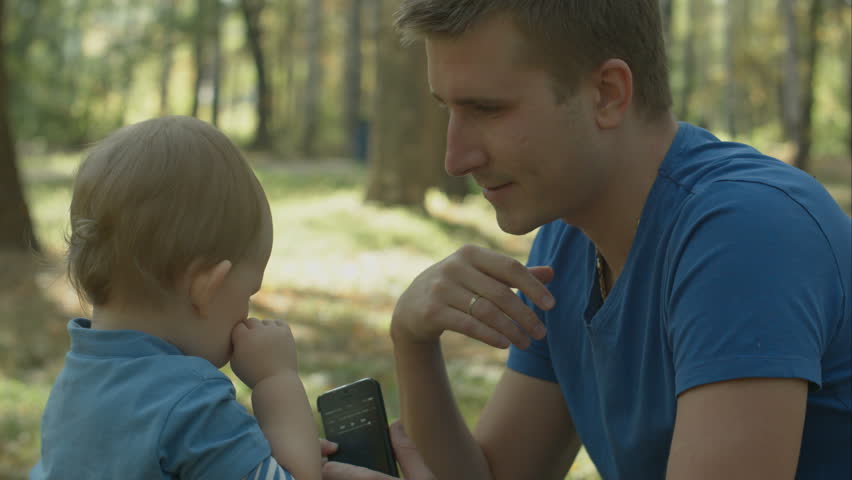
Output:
(548, 302)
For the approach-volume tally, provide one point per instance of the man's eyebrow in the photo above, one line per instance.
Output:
(466, 101)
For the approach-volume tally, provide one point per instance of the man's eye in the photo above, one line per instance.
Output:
(486, 108)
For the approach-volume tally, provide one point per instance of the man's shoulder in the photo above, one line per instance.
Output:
(701, 162)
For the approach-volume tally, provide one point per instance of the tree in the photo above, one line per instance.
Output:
(790, 87)
(352, 78)
(666, 10)
(804, 134)
(16, 229)
(731, 103)
(407, 141)
(285, 58)
(252, 10)
(199, 52)
(688, 60)
(847, 41)
(216, 37)
(167, 13)
(315, 75)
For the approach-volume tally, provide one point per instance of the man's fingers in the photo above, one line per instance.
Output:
(498, 296)
(474, 328)
(489, 314)
(510, 272)
(344, 471)
(544, 274)
(327, 447)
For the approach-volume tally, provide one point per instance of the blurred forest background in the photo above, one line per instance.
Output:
(337, 120)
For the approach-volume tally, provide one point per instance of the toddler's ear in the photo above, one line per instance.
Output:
(205, 284)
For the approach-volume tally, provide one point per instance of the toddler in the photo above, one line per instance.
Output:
(170, 235)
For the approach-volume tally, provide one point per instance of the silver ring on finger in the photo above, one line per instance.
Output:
(473, 301)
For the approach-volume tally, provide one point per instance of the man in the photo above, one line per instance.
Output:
(696, 319)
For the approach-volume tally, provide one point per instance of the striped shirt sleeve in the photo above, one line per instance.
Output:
(268, 470)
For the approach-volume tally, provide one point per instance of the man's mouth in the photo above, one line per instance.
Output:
(495, 188)
(497, 193)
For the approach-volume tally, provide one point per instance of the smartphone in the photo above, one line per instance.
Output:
(354, 417)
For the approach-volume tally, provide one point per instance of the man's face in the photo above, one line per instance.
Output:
(533, 155)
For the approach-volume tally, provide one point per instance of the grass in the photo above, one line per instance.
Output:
(337, 267)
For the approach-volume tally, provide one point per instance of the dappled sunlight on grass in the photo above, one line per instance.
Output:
(21, 407)
(337, 268)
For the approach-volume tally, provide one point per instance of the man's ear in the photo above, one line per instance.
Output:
(614, 92)
(205, 284)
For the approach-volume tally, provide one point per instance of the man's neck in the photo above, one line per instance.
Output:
(612, 223)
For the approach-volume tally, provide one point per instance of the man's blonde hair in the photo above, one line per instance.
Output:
(153, 199)
(567, 37)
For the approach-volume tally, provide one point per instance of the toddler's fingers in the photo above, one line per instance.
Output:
(239, 329)
(251, 322)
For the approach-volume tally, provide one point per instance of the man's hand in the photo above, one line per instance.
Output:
(470, 292)
(407, 455)
(262, 349)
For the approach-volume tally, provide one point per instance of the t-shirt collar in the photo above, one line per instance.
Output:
(115, 343)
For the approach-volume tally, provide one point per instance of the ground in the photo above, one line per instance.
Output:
(337, 267)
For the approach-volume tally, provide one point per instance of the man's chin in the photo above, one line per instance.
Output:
(514, 225)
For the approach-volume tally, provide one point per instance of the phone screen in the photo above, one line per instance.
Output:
(354, 416)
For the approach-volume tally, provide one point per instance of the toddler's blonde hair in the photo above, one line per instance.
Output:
(153, 199)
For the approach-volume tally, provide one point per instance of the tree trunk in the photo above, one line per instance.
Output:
(667, 9)
(352, 80)
(745, 115)
(199, 51)
(217, 62)
(315, 74)
(688, 60)
(405, 149)
(845, 10)
(791, 103)
(16, 229)
(284, 69)
(804, 136)
(252, 10)
(730, 71)
(168, 16)
(127, 69)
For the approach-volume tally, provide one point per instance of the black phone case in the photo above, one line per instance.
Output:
(360, 389)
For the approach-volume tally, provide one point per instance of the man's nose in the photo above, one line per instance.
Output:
(464, 152)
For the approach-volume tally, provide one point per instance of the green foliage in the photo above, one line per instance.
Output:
(80, 68)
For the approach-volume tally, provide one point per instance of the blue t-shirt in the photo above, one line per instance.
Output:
(740, 267)
(129, 405)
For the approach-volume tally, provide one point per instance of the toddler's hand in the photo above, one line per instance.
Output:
(262, 349)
